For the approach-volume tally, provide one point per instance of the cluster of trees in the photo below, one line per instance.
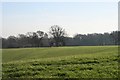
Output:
(31, 39)
(58, 38)
(36, 39)
(96, 39)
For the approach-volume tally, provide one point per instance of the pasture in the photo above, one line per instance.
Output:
(61, 62)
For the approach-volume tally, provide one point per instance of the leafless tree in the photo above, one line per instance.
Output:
(58, 34)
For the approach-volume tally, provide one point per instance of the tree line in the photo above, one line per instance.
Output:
(57, 37)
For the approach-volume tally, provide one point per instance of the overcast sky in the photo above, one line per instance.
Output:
(75, 17)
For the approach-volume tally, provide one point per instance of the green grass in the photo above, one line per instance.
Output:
(61, 62)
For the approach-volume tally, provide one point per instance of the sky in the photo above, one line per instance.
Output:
(74, 17)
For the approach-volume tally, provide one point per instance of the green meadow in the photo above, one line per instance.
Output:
(61, 62)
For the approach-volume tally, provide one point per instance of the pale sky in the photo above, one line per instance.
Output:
(74, 17)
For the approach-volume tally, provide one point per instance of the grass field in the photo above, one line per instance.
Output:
(63, 62)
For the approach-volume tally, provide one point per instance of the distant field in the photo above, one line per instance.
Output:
(63, 62)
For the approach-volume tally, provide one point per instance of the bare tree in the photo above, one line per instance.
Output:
(58, 35)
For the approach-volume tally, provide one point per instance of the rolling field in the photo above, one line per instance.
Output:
(61, 62)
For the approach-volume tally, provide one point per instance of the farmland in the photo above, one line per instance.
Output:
(61, 62)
